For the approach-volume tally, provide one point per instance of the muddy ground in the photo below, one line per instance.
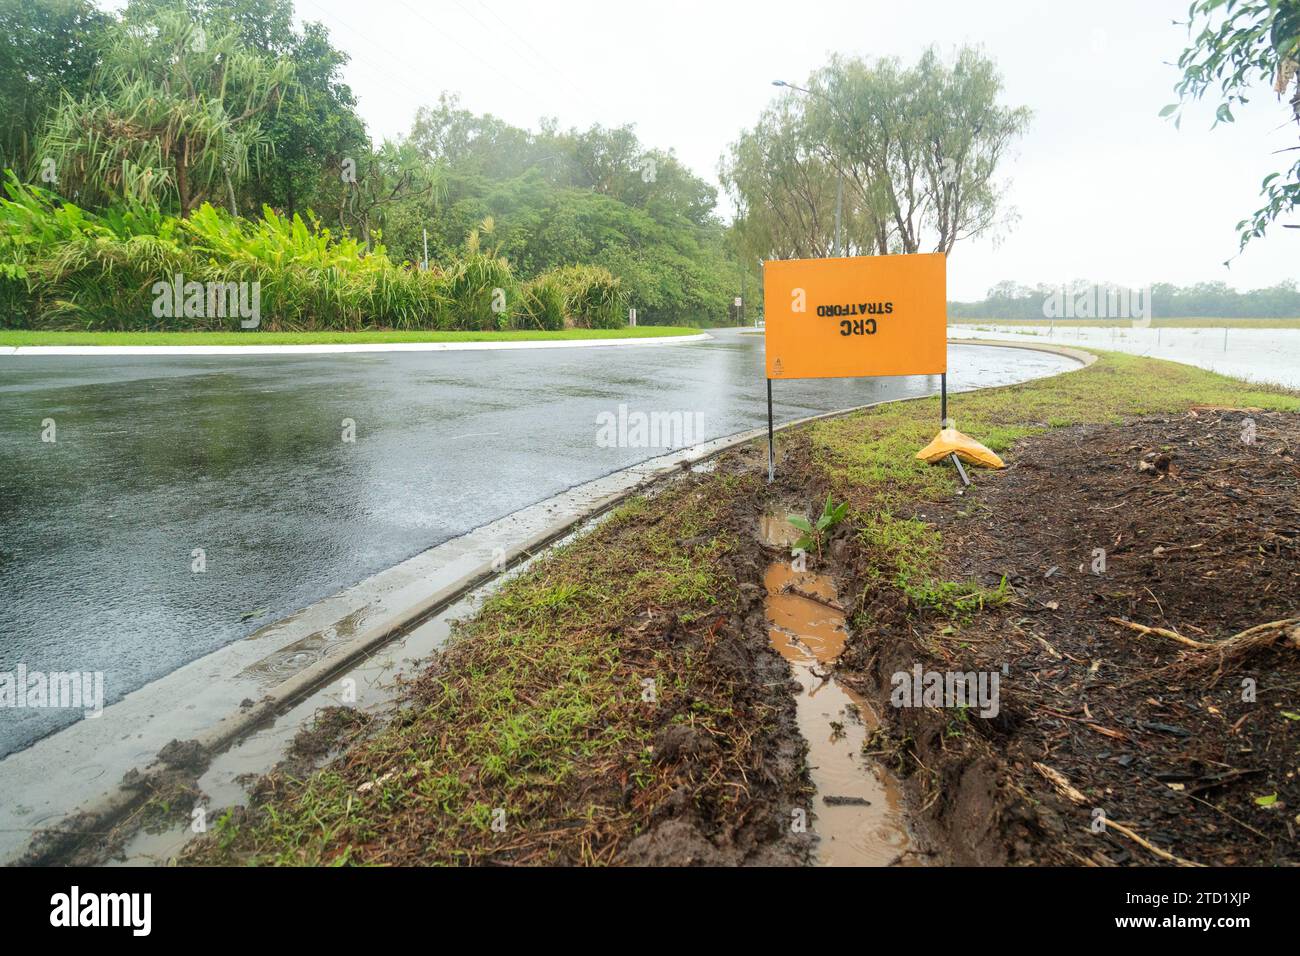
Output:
(759, 766)
(719, 796)
(1112, 746)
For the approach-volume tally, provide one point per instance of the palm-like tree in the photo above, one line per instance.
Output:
(175, 118)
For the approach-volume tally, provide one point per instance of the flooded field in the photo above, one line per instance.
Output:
(1270, 356)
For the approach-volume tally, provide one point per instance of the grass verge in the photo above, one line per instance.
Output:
(557, 722)
(15, 337)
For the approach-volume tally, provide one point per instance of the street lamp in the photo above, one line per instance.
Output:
(839, 182)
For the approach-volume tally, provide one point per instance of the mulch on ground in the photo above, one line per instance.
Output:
(1135, 726)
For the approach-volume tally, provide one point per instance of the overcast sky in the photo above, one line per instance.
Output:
(1105, 190)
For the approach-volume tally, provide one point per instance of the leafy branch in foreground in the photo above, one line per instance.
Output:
(1234, 46)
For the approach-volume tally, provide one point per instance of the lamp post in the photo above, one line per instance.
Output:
(839, 182)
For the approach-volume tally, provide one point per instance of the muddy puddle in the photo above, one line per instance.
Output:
(857, 809)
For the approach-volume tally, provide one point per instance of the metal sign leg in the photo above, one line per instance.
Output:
(943, 423)
(771, 438)
(961, 472)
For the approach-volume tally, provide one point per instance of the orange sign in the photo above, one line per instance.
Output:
(860, 316)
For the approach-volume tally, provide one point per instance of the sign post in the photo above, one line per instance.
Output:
(855, 317)
(771, 438)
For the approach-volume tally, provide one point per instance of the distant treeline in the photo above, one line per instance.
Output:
(1008, 300)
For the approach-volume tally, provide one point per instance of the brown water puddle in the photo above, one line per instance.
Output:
(857, 810)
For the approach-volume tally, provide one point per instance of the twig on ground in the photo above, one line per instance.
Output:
(1234, 648)
(1146, 844)
(815, 598)
(1061, 784)
(1162, 632)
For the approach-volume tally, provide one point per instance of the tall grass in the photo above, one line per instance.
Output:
(543, 304)
(483, 292)
(593, 298)
(63, 268)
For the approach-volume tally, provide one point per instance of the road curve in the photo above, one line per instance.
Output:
(294, 478)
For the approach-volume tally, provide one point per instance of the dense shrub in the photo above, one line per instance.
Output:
(483, 293)
(593, 297)
(543, 301)
(64, 268)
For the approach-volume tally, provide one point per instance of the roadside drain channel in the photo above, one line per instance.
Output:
(857, 811)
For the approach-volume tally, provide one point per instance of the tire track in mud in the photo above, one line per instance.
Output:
(858, 812)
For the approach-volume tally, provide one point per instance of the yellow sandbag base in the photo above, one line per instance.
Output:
(950, 441)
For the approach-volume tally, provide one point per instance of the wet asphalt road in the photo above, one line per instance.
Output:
(243, 457)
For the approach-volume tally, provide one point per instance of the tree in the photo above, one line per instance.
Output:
(1234, 47)
(918, 149)
(314, 129)
(784, 187)
(176, 117)
(392, 181)
(565, 197)
(1215, 300)
(51, 50)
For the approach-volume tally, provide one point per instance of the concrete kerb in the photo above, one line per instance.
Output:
(327, 348)
(1082, 356)
(51, 844)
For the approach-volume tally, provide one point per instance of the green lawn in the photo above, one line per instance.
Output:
(1167, 323)
(13, 337)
